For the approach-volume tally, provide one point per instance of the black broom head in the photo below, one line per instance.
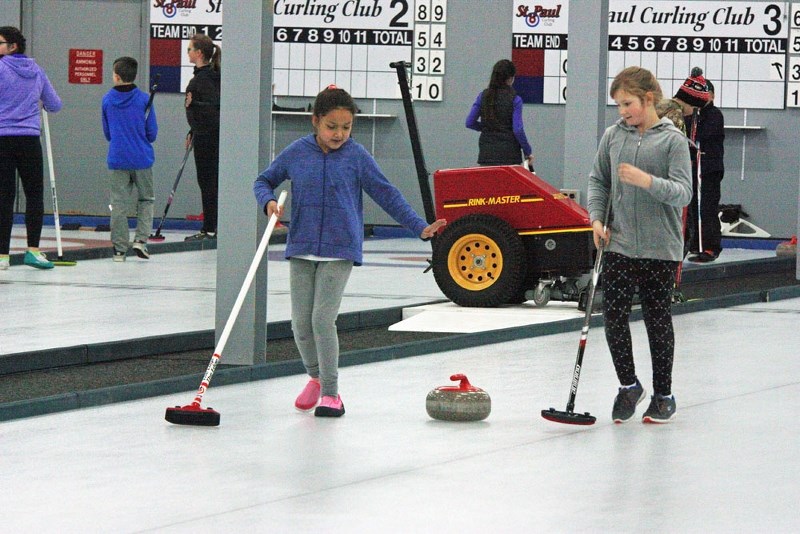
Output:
(192, 415)
(568, 418)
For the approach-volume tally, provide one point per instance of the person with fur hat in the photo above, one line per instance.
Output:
(705, 229)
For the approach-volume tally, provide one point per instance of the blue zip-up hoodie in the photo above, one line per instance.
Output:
(645, 223)
(129, 133)
(327, 199)
(22, 85)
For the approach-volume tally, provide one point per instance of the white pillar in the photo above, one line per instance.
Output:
(245, 131)
(585, 114)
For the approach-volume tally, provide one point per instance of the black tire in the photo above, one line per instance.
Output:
(479, 261)
(541, 295)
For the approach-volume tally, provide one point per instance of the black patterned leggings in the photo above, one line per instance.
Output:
(655, 280)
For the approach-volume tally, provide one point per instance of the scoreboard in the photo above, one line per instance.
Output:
(745, 48)
(351, 43)
(539, 52)
(741, 46)
(172, 25)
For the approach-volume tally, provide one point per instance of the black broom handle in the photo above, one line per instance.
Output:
(153, 89)
(416, 145)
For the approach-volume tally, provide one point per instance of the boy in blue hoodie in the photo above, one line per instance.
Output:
(129, 124)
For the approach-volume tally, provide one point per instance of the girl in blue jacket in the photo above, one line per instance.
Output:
(329, 171)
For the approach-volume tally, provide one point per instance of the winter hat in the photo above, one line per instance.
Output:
(694, 90)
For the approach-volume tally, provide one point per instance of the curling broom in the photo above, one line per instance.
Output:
(194, 414)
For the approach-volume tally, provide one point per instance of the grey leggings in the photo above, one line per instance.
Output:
(316, 290)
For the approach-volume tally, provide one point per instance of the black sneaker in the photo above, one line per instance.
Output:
(661, 410)
(201, 235)
(626, 402)
(706, 256)
(140, 248)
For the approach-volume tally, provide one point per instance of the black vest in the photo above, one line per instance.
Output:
(497, 144)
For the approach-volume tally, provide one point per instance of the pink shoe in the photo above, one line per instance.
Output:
(330, 407)
(309, 397)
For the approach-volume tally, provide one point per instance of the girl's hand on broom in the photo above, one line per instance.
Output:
(272, 207)
(601, 232)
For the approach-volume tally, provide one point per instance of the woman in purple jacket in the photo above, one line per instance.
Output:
(497, 115)
(22, 85)
(328, 171)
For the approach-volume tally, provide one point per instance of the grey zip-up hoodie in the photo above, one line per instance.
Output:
(645, 223)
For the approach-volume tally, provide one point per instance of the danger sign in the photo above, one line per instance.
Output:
(85, 66)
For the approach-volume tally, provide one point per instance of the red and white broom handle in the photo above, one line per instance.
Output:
(226, 331)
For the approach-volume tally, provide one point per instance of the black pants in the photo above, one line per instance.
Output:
(21, 154)
(206, 160)
(654, 279)
(709, 210)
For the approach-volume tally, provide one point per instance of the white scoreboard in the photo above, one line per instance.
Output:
(793, 72)
(350, 43)
(741, 46)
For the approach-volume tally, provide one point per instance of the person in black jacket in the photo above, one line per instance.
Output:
(202, 113)
(497, 114)
(697, 92)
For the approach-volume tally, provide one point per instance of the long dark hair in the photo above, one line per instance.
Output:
(12, 35)
(211, 52)
(502, 71)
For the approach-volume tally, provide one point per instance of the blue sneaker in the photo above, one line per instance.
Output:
(661, 410)
(38, 260)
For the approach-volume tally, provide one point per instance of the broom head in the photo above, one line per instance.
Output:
(568, 418)
(193, 415)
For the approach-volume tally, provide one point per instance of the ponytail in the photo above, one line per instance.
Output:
(211, 51)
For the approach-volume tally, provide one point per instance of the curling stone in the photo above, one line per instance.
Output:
(464, 402)
(787, 248)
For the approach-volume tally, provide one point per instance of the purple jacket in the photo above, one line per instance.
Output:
(22, 85)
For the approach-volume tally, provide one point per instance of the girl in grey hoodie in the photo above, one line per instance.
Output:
(640, 181)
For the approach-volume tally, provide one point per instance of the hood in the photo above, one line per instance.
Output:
(22, 65)
(662, 124)
(122, 96)
(311, 141)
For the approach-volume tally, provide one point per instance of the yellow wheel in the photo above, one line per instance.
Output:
(475, 262)
(479, 261)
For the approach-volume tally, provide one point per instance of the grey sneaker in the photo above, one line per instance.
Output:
(140, 248)
(626, 402)
(118, 256)
(661, 410)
